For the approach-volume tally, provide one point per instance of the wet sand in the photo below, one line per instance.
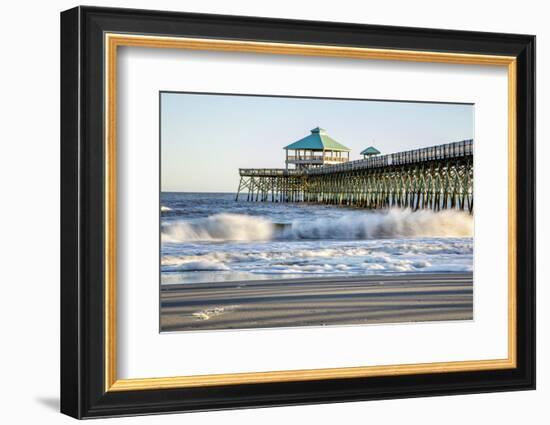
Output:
(308, 302)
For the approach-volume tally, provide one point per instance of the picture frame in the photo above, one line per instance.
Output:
(90, 40)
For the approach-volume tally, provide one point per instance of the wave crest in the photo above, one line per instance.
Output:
(392, 223)
(219, 227)
(354, 225)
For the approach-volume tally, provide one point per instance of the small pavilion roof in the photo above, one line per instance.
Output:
(371, 150)
(318, 140)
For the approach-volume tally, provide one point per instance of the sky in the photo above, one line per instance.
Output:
(206, 138)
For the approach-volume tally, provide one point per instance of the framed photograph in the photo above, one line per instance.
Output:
(261, 212)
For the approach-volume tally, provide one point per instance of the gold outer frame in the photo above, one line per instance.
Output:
(113, 41)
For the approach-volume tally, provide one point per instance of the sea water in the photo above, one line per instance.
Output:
(210, 237)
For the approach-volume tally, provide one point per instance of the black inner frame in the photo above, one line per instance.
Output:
(82, 207)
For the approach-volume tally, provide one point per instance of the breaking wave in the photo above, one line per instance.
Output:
(234, 227)
(393, 223)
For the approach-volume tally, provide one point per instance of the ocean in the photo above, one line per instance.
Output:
(209, 237)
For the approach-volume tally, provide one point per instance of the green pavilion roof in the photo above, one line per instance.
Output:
(318, 140)
(371, 150)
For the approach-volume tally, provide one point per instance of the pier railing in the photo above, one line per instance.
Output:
(269, 172)
(316, 158)
(432, 153)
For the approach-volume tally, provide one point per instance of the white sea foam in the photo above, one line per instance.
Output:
(191, 265)
(165, 209)
(306, 257)
(354, 225)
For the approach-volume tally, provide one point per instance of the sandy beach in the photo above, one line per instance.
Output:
(305, 302)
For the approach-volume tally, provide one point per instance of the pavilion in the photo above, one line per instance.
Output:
(370, 151)
(315, 150)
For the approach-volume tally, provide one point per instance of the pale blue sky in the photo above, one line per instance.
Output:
(206, 138)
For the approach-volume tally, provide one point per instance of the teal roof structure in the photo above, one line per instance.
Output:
(371, 150)
(318, 140)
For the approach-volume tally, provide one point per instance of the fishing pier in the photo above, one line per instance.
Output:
(436, 177)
